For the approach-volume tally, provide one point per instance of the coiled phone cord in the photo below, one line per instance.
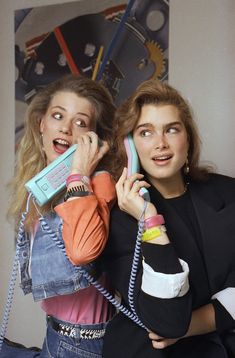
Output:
(12, 282)
(130, 314)
(135, 262)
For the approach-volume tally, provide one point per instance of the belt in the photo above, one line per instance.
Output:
(75, 331)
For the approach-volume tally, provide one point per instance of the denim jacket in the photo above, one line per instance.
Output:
(45, 270)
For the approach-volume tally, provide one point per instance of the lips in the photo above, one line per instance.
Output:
(60, 145)
(162, 159)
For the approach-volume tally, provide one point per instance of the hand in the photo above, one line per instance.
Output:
(88, 154)
(202, 322)
(159, 342)
(129, 199)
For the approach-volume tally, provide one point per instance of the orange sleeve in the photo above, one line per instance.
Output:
(86, 220)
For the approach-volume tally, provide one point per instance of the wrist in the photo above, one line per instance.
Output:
(76, 192)
(154, 221)
(153, 233)
(150, 211)
(78, 178)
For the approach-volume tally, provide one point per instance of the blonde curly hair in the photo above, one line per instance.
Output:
(30, 155)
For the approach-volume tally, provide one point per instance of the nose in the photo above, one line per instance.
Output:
(161, 141)
(66, 128)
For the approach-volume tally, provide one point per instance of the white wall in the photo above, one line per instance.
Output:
(202, 52)
(202, 66)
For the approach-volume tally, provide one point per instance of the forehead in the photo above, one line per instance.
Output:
(159, 114)
(68, 99)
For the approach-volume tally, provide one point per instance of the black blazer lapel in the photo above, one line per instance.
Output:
(217, 225)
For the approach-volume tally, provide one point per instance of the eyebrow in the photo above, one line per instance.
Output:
(63, 109)
(144, 125)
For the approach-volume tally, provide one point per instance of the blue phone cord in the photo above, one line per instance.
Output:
(112, 299)
(89, 278)
(135, 262)
(132, 315)
(12, 282)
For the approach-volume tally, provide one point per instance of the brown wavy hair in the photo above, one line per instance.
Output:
(30, 156)
(158, 93)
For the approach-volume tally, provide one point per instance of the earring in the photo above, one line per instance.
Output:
(186, 167)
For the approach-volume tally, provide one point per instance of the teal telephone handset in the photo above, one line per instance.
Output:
(133, 163)
(52, 179)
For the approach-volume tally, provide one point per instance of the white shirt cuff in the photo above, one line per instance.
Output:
(227, 298)
(163, 285)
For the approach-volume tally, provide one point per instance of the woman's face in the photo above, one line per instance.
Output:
(68, 117)
(161, 141)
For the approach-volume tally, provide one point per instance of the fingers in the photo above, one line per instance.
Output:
(159, 342)
(120, 184)
(103, 149)
(89, 138)
(132, 184)
(96, 145)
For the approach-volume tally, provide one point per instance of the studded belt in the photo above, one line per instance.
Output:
(75, 331)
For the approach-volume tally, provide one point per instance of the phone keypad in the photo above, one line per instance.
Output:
(58, 175)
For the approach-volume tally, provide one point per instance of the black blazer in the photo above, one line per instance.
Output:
(211, 264)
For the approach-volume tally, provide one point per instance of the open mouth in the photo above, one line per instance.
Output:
(161, 159)
(60, 145)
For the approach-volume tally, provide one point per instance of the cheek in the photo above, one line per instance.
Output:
(182, 146)
(144, 150)
(78, 132)
(144, 146)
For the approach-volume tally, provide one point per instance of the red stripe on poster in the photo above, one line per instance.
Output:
(65, 49)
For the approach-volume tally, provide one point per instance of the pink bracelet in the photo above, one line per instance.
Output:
(156, 220)
(77, 177)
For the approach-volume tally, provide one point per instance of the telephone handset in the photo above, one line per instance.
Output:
(52, 179)
(133, 163)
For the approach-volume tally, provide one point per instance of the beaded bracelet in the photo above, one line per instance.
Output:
(155, 220)
(77, 177)
(153, 233)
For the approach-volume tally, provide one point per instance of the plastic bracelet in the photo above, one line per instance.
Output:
(155, 220)
(77, 177)
(77, 191)
(152, 233)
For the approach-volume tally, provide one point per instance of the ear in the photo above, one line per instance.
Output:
(42, 125)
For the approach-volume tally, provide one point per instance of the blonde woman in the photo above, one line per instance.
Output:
(73, 109)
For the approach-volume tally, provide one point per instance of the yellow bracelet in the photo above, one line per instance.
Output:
(152, 233)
